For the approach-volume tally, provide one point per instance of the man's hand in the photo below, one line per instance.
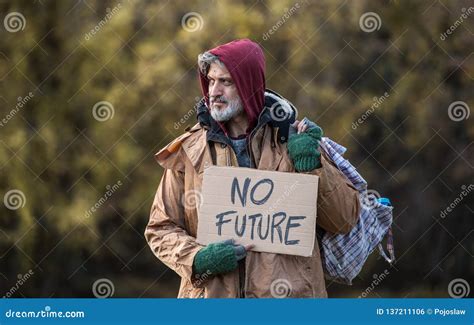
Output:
(221, 257)
(303, 145)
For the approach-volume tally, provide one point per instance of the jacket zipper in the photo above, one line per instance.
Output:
(241, 264)
(252, 165)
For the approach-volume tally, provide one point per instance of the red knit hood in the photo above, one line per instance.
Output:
(246, 64)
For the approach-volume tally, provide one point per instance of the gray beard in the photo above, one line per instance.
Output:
(234, 108)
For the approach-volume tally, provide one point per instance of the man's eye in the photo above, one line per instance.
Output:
(227, 82)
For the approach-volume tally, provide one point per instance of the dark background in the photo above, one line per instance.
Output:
(61, 159)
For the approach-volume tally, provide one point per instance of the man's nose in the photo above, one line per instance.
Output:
(215, 90)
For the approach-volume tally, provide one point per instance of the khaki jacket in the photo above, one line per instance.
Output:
(171, 231)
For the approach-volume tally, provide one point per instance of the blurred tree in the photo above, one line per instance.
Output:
(112, 82)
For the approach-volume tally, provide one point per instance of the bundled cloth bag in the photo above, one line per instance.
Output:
(344, 255)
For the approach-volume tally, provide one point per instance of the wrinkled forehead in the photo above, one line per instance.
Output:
(218, 70)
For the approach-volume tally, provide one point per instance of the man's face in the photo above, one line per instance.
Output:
(224, 99)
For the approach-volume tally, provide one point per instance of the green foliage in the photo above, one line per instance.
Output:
(143, 62)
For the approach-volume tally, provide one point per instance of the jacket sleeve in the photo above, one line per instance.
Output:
(165, 232)
(338, 204)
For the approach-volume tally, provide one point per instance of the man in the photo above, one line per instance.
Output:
(239, 126)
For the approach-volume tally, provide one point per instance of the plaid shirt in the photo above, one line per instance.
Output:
(344, 254)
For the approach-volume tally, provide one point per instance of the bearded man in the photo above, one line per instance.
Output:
(242, 124)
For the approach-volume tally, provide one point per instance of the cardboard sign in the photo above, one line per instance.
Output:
(274, 211)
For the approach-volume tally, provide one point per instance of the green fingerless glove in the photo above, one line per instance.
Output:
(215, 258)
(315, 132)
(303, 149)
